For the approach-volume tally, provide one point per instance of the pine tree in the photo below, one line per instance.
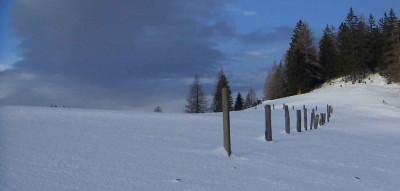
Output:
(391, 47)
(303, 70)
(328, 53)
(275, 85)
(217, 101)
(196, 100)
(352, 47)
(251, 99)
(238, 102)
(373, 44)
(158, 110)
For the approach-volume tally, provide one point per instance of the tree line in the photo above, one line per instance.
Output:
(360, 46)
(197, 101)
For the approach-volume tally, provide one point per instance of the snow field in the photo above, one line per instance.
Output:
(80, 149)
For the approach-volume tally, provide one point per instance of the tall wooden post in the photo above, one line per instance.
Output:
(268, 124)
(287, 120)
(316, 121)
(305, 118)
(226, 122)
(298, 121)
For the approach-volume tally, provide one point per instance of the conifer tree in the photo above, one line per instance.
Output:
(328, 53)
(373, 44)
(276, 83)
(250, 99)
(196, 100)
(238, 103)
(303, 70)
(158, 109)
(391, 47)
(217, 101)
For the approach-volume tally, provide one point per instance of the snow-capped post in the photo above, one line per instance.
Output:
(268, 124)
(312, 119)
(287, 120)
(298, 121)
(305, 118)
(226, 121)
(316, 120)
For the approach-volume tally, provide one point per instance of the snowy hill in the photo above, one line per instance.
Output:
(78, 149)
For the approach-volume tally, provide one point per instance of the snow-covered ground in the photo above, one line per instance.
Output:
(80, 149)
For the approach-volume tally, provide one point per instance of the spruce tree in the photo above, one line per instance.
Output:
(328, 53)
(250, 99)
(303, 70)
(196, 100)
(275, 86)
(238, 102)
(217, 101)
(373, 45)
(391, 47)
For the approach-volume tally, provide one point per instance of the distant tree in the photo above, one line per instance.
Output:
(275, 85)
(217, 101)
(196, 100)
(251, 99)
(158, 109)
(390, 67)
(238, 103)
(374, 45)
(303, 70)
(352, 47)
(328, 53)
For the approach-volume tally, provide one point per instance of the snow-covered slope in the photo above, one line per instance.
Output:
(77, 149)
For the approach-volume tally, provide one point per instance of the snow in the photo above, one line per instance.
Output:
(43, 148)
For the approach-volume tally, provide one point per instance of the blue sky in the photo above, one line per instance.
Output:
(100, 54)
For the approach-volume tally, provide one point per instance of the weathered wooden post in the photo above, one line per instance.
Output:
(312, 119)
(292, 107)
(287, 120)
(273, 106)
(316, 108)
(328, 112)
(226, 122)
(305, 118)
(321, 119)
(316, 120)
(268, 124)
(298, 121)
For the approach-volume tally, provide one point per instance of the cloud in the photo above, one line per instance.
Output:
(264, 36)
(112, 54)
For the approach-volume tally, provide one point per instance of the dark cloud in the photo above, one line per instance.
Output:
(122, 53)
(116, 52)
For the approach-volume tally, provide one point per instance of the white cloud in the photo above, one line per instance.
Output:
(4, 67)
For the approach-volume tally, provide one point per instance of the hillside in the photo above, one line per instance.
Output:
(43, 148)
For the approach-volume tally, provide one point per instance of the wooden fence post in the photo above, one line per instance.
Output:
(320, 119)
(293, 107)
(305, 118)
(328, 113)
(226, 122)
(312, 119)
(268, 124)
(316, 120)
(273, 106)
(287, 120)
(298, 120)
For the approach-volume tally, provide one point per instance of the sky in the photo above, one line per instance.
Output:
(137, 54)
